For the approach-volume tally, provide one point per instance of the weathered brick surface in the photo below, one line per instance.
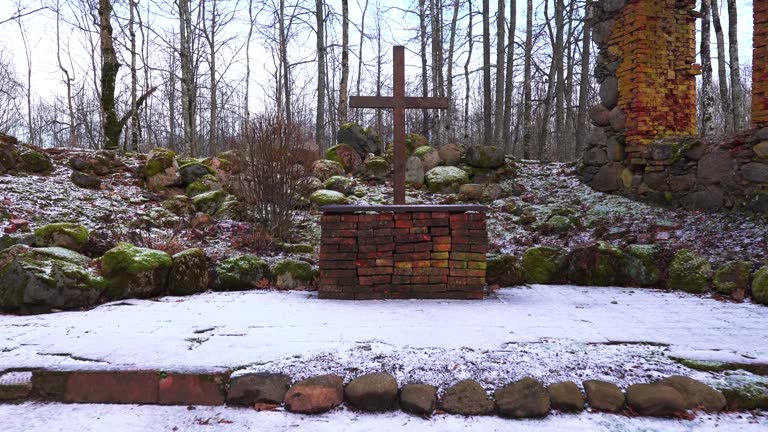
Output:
(657, 78)
(416, 254)
(192, 389)
(760, 65)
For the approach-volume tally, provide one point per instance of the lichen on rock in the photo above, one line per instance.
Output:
(63, 234)
(243, 272)
(135, 272)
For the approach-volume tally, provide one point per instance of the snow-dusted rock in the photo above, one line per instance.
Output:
(446, 179)
(135, 272)
(466, 397)
(375, 392)
(525, 398)
(604, 396)
(565, 396)
(189, 273)
(161, 169)
(253, 388)
(419, 399)
(656, 400)
(315, 395)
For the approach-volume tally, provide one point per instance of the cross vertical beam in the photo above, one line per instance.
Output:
(398, 102)
(398, 79)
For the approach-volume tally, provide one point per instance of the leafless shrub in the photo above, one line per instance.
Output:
(268, 180)
(170, 241)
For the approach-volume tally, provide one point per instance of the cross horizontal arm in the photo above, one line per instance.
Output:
(389, 102)
(371, 102)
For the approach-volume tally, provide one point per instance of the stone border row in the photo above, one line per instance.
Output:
(375, 392)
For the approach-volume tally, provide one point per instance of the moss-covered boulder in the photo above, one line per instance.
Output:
(760, 286)
(543, 265)
(10, 239)
(325, 197)
(38, 280)
(292, 274)
(689, 272)
(8, 157)
(65, 234)
(503, 270)
(429, 157)
(202, 185)
(747, 396)
(732, 277)
(33, 160)
(414, 141)
(209, 202)
(240, 273)
(161, 169)
(445, 179)
(189, 273)
(324, 169)
(598, 264)
(345, 155)
(642, 265)
(340, 184)
(180, 205)
(363, 140)
(560, 224)
(192, 171)
(135, 272)
(230, 209)
(488, 157)
(377, 168)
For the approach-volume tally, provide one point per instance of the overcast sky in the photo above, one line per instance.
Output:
(47, 78)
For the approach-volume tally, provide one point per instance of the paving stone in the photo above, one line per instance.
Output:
(374, 392)
(129, 387)
(655, 400)
(522, 399)
(419, 399)
(255, 388)
(315, 395)
(15, 386)
(466, 397)
(192, 389)
(566, 396)
(604, 396)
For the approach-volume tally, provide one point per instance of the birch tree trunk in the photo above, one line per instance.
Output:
(527, 103)
(448, 120)
(737, 97)
(725, 100)
(707, 100)
(320, 112)
(498, 122)
(188, 81)
(509, 83)
(487, 105)
(344, 62)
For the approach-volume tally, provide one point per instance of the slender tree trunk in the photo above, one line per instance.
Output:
(358, 119)
(424, 71)
(527, 102)
(188, 81)
(466, 73)
(28, 90)
(286, 71)
(559, 78)
(320, 113)
(134, 143)
(109, 67)
(435, 13)
(210, 34)
(725, 100)
(737, 96)
(508, 81)
(487, 105)
(581, 116)
(707, 96)
(448, 121)
(246, 99)
(344, 62)
(498, 121)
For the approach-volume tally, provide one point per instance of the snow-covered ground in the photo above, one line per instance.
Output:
(550, 332)
(131, 418)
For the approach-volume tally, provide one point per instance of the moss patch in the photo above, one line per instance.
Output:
(543, 265)
(240, 273)
(126, 258)
(68, 235)
(689, 272)
(34, 161)
(325, 197)
(297, 248)
(503, 270)
(642, 267)
(732, 276)
(760, 286)
(159, 160)
(291, 274)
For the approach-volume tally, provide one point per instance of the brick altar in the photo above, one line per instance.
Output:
(403, 251)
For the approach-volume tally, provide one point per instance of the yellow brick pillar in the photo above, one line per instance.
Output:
(655, 40)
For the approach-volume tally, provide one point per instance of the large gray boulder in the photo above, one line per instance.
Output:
(374, 392)
(446, 179)
(489, 157)
(363, 140)
(135, 272)
(523, 399)
(36, 280)
(466, 397)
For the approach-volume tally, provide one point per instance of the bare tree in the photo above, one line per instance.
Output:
(725, 101)
(109, 68)
(343, 90)
(707, 99)
(500, 51)
(527, 102)
(509, 79)
(320, 112)
(733, 53)
(581, 116)
(487, 105)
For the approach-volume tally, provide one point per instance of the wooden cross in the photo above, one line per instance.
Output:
(399, 103)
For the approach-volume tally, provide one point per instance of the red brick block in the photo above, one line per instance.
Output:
(413, 256)
(374, 240)
(405, 248)
(441, 239)
(421, 215)
(421, 263)
(419, 230)
(337, 265)
(430, 271)
(331, 233)
(412, 238)
(346, 241)
(474, 295)
(121, 387)
(440, 215)
(401, 279)
(467, 272)
(444, 247)
(349, 218)
(431, 223)
(339, 256)
(460, 247)
(339, 226)
(403, 223)
(367, 248)
(338, 274)
(327, 218)
(403, 271)
(374, 280)
(402, 216)
(387, 247)
(476, 216)
(438, 279)
(458, 217)
(192, 389)
(376, 224)
(371, 271)
(422, 247)
(467, 256)
(440, 231)
(440, 263)
(463, 280)
(374, 255)
(336, 295)
(479, 248)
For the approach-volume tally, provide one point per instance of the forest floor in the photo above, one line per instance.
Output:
(123, 208)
